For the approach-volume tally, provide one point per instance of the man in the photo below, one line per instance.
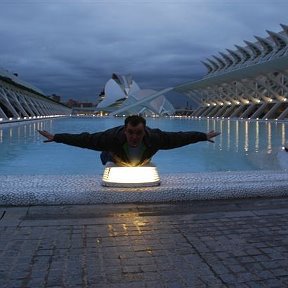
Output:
(133, 144)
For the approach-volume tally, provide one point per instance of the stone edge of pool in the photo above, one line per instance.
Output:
(26, 190)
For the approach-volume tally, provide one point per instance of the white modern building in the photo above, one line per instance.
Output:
(20, 100)
(250, 81)
(122, 95)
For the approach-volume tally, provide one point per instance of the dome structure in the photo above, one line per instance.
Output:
(121, 91)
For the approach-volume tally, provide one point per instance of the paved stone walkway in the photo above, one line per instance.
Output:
(220, 243)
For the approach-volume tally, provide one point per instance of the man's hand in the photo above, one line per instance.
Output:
(212, 134)
(49, 136)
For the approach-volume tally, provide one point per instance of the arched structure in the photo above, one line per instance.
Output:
(123, 95)
(20, 100)
(250, 81)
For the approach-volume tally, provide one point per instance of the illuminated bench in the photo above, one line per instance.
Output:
(141, 176)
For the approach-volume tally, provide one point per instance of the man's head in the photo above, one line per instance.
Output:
(134, 130)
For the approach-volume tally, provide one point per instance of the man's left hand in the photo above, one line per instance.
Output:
(212, 134)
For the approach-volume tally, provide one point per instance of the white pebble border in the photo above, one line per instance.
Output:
(86, 189)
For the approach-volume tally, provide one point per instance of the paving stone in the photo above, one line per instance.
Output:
(192, 244)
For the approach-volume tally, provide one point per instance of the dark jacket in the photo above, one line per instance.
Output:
(113, 140)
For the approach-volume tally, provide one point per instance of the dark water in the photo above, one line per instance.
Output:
(243, 145)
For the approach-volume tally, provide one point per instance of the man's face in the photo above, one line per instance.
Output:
(134, 134)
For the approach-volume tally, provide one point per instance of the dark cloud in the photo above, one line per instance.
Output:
(71, 48)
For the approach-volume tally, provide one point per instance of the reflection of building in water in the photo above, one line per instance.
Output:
(249, 136)
(21, 132)
(20, 100)
(250, 81)
(122, 95)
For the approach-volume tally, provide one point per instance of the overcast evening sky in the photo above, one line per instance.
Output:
(72, 47)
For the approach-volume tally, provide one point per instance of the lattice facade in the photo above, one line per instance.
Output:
(247, 82)
(20, 100)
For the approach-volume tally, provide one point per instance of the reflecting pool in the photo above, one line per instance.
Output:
(242, 145)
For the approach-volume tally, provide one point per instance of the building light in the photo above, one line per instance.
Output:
(141, 176)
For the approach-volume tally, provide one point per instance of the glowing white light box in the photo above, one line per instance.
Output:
(141, 176)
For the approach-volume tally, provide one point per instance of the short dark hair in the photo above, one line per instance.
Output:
(134, 120)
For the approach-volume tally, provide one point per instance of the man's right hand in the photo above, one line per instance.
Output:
(49, 136)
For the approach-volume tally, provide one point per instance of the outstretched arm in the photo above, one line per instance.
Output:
(100, 141)
(164, 140)
(212, 134)
(49, 136)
